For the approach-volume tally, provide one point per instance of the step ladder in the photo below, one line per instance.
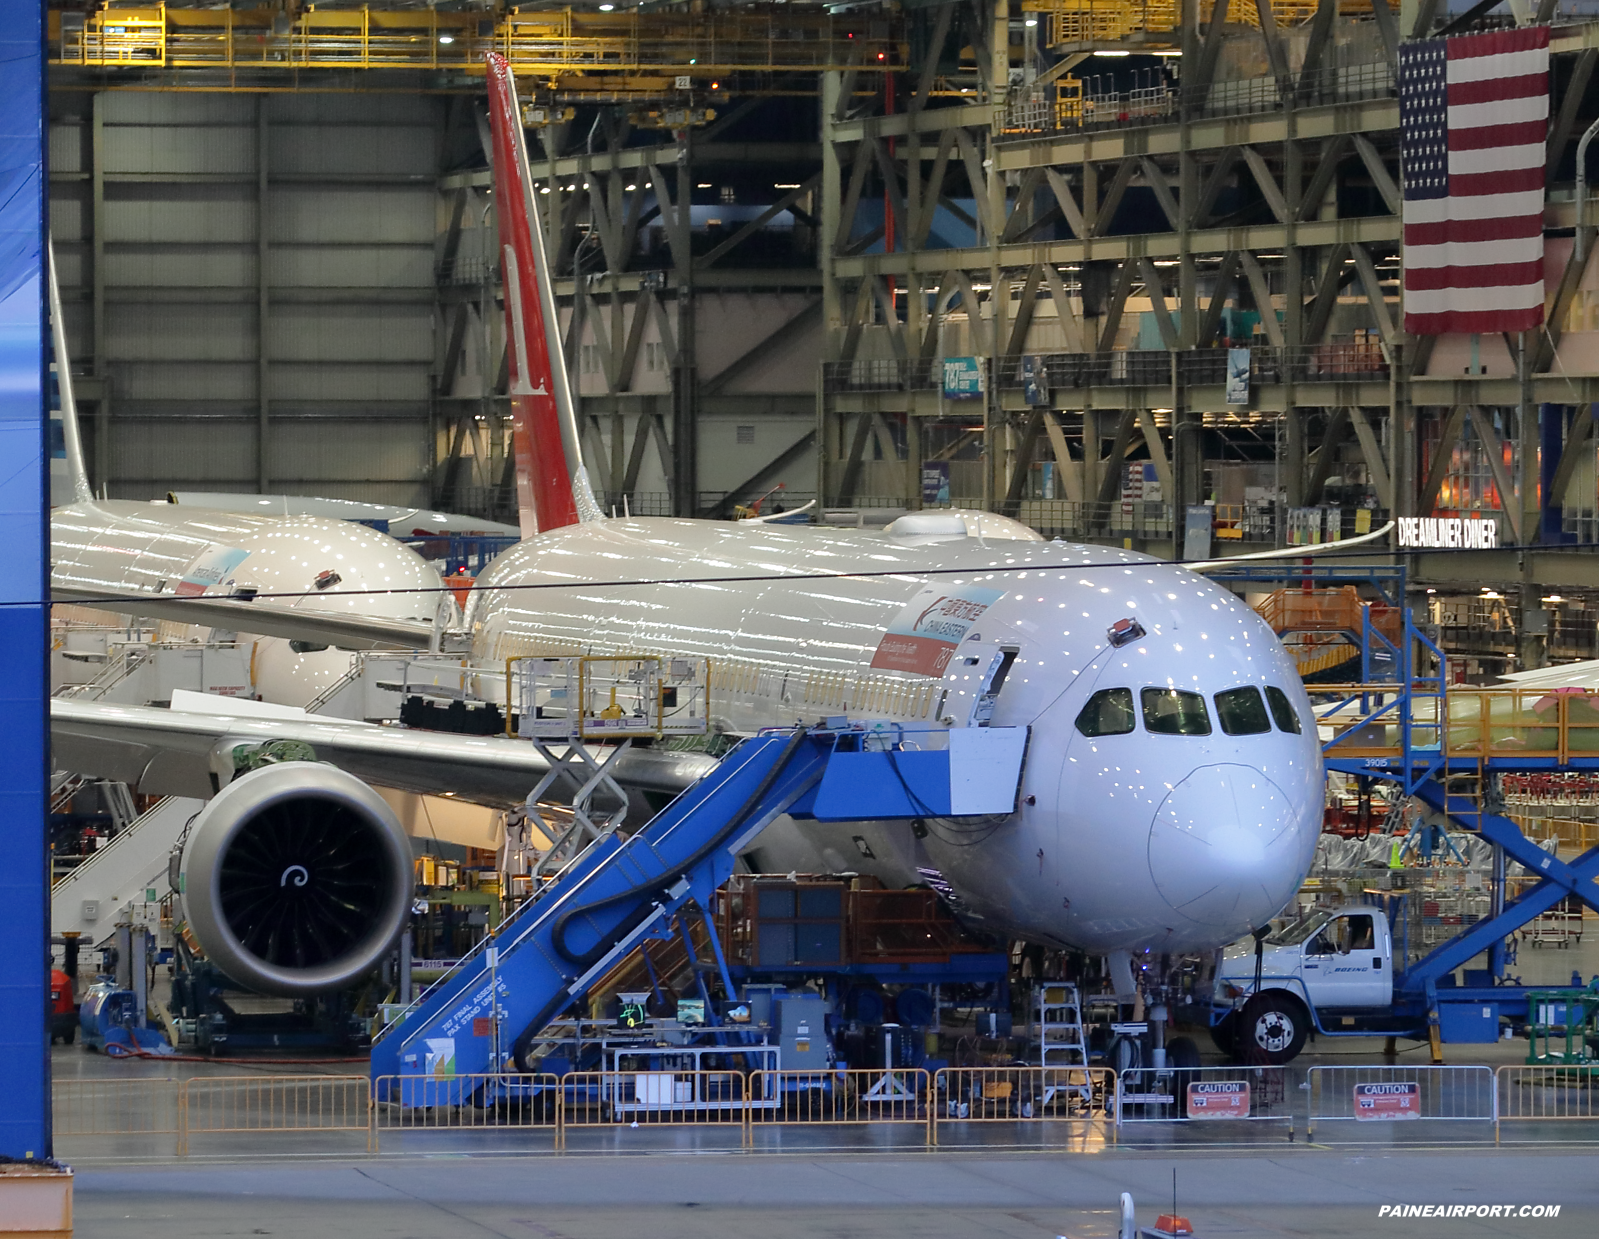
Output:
(1058, 1016)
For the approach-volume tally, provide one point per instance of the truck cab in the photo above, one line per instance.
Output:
(1331, 963)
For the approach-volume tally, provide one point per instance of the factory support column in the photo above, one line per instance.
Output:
(685, 371)
(24, 499)
(97, 273)
(829, 446)
(263, 308)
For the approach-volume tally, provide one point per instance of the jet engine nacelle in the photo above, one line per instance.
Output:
(296, 879)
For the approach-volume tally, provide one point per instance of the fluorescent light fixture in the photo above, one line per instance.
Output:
(1554, 598)
(702, 185)
(786, 185)
(1113, 53)
(606, 8)
(446, 38)
(1030, 22)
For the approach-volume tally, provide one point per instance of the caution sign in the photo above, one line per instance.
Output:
(1219, 1099)
(1382, 1102)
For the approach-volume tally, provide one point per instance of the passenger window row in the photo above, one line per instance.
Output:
(1175, 712)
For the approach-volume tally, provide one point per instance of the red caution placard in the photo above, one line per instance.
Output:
(1219, 1099)
(1387, 1101)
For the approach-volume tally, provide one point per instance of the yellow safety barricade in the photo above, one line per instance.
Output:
(149, 1107)
(651, 1098)
(259, 1104)
(842, 1096)
(1024, 1095)
(1545, 1092)
(499, 1101)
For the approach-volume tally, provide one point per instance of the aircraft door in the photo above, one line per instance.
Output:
(972, 685)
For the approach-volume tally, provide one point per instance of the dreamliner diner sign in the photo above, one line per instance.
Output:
(1448, 533)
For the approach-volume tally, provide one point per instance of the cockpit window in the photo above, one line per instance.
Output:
(1109, 712)
(1172, 712)
(1242, 712)
(1282, 710)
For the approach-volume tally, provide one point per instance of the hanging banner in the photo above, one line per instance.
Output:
(1035, 382)
(963, 378)
(935, 483)
(1198, 521)
(1238, 376)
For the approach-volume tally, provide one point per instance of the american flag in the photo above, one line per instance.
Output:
(1474, 117)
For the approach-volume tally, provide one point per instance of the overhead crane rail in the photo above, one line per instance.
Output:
(551, 43)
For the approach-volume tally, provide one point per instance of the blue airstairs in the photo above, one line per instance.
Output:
(620, 891)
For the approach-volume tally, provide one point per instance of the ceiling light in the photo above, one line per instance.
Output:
(786, 185)
(446, 38)
(1113, 53)
(606, 8)
(1554, 598)
(631, 188)
(702, 185)
(1030, 22)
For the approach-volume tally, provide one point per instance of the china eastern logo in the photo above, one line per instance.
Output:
(927, 629)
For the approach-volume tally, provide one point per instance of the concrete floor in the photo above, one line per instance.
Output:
(1286, 1192)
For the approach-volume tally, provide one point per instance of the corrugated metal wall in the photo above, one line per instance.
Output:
(348, 338)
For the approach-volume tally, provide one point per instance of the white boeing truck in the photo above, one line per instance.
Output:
(1328, 966)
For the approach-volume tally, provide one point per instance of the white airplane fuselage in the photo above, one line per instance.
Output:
(1132, 841)
(120, 546)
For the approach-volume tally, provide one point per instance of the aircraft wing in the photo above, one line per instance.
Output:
(267, 617)
(170, 752)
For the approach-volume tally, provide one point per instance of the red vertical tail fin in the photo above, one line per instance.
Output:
(552, 487)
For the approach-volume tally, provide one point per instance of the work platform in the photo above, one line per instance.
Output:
(1450, 748)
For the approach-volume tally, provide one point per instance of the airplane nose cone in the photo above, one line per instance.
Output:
(1222, 848)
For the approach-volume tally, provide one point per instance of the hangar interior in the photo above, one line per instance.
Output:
(1122, 276)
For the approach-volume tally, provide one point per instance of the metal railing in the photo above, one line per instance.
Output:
(1207, 1094)
(276, 1104)
(1481, 723)
(1543, 1093)
(1025, 1095)
(882, 374)
(514, 1103)
(1150, 101)
(840, 1097)
(1393, 1093)
(1039, 1103)
(142, 1108)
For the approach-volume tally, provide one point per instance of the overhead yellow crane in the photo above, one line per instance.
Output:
(663, 50)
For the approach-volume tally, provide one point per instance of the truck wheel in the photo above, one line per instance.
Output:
(1272, 1029)
(1225, 1034)
(1181, 1052)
